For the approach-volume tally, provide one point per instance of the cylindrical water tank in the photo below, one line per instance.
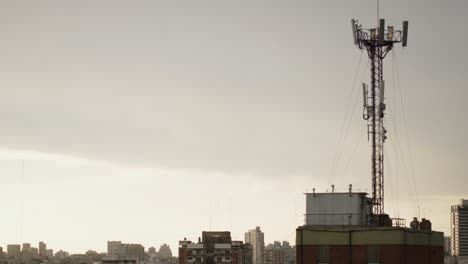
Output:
(415, 223)
(425, 225)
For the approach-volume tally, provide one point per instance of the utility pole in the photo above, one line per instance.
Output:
(377, 42)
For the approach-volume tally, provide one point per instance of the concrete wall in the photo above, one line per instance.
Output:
(372, 236)
(337, 209)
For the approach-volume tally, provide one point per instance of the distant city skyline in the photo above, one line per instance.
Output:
(119, 248)
(149, 121)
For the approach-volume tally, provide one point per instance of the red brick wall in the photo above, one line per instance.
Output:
(339, 254)
(359, 254)
(389, 254)
(235, 257)
(182, 255)
(306, 254)
(417, 254)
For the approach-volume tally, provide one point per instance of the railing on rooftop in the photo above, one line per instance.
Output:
(334, 219)
(398, 222)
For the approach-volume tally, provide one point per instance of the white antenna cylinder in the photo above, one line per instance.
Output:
(353, 28)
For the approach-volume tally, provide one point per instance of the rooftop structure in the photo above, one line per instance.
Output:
(332, 208)
(215, 248)
(339, 229)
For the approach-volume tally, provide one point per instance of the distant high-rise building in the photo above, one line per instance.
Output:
(151, 250)
(13, 250)
(26, 247)
(448, 259)
(247, 253)
(91, 253)
(214, 248)
(255, 237)
(118, 250)
(290, 253)
(279, 253)
(241, 253)
(459, 231)
(133, 250)
(50, 253)
(165, 251)
(42, 249)
(61, 254)
(34, 252)
(272, 256)
(114, 248)
(447, 246)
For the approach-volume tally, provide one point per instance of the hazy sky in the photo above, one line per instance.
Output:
(151, 121)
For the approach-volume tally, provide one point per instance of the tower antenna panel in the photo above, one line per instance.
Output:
(382, 31)
(404, 42)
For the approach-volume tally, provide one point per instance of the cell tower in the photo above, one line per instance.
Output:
(377, 42)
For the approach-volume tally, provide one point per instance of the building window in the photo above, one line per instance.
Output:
(323, 255)
(373, 254)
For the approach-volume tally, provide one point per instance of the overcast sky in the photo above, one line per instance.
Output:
(151, 121)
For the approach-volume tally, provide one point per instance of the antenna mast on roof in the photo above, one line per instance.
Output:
(377, 42)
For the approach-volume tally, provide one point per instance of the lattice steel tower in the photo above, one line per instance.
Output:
(377, 42)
